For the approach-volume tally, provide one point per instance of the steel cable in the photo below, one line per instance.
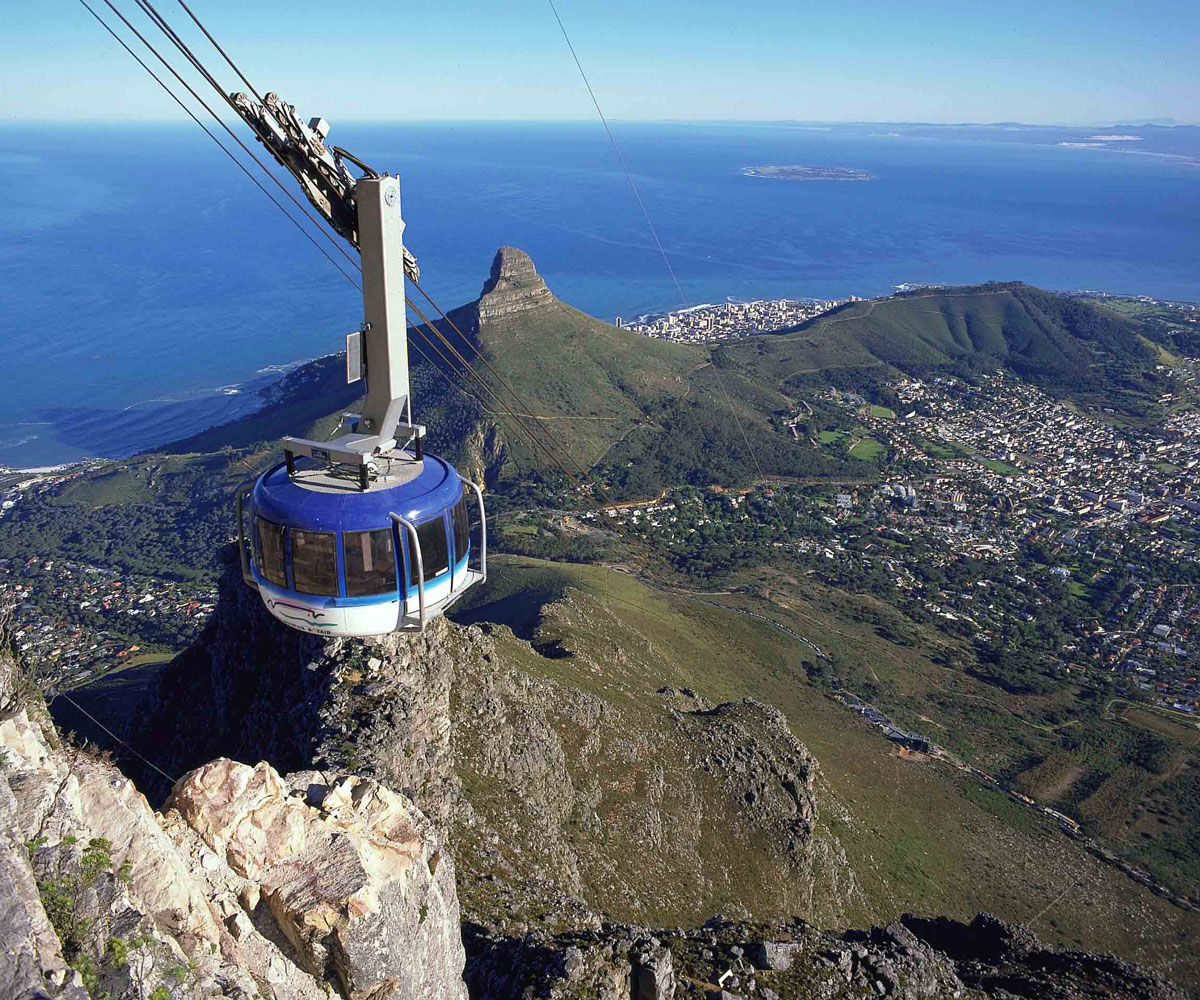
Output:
(241, 166)
(217, 46)
(653, 232)
(166, 29)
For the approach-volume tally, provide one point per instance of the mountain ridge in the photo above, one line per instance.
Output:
(541, 361)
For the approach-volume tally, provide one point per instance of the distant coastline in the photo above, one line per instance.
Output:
(800, 172)
(146, 425)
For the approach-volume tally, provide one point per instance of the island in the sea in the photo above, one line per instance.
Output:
(796, 172)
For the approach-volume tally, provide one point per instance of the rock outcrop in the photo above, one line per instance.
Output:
(246, 887)
(253, 689)
(351, 872)
(910, 959)
(513, 287)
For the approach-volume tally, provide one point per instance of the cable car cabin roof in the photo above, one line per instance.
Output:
(317, 501)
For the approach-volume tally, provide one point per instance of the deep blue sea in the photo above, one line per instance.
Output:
(148, 287)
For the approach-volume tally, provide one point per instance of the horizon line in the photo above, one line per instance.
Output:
(1131, 121)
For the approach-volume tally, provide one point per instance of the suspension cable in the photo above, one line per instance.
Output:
(144, 760)
(650, 225)
(217, 46)
(530, 435)
(191, 58)
(148, 8)
(523, 411)
(458, 386)
(617, 149)
(238, 163)
(595, 505)
(161, 22)
(524, 406)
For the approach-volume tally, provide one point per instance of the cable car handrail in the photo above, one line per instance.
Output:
(416, 546)
(243, 555)
(482, 531)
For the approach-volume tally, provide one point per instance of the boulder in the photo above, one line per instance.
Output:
(776, 956)
(359, 883)
(654, 974)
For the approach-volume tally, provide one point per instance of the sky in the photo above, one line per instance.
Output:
(1055, 61)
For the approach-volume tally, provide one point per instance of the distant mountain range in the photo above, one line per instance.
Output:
(613, 397)
(648, 414)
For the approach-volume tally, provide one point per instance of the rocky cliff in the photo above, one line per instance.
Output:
(518, 779)
(513, 287)
(558, 807)
(245, 885)
(252, 689)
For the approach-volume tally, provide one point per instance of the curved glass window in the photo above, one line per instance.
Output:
(270, 551)
(370, 562)
(462, 529)
(435, 553)
(314, 563)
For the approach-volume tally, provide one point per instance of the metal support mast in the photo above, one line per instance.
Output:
(366, 212)
(385, 335)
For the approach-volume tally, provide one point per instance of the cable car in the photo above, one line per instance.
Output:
(366, 533)
(333, 562)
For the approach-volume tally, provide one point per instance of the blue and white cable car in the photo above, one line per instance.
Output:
(363, 534)
(365, 563)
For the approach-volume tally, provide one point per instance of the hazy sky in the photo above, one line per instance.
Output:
(877, 60)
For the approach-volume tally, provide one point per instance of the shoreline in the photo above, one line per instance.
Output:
(280, 372)
(257, 391)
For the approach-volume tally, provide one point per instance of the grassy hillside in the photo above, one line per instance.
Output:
(655, 414)
(918, 835)
(584, 382)
(1066, 345)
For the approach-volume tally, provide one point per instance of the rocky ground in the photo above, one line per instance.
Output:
(726, 959)
(436, 822)
(245, 884)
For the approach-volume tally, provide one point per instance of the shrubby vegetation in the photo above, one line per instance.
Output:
(76, 885)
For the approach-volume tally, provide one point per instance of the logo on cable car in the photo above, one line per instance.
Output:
(320, 453)
(298, 620)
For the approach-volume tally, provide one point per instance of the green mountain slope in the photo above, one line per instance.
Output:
(917, 834)
(1068, 346)
(583, 382)
(649, 413)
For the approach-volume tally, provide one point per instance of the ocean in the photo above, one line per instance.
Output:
(149, 289)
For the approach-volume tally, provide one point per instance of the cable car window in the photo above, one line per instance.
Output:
(270, 552)
(462, 529)
(370, 562)
(435, 554)
(314, 562)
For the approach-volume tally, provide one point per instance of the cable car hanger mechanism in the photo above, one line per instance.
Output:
(365, 211)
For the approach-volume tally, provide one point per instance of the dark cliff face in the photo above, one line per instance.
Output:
(248, 689)
(253, 689)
